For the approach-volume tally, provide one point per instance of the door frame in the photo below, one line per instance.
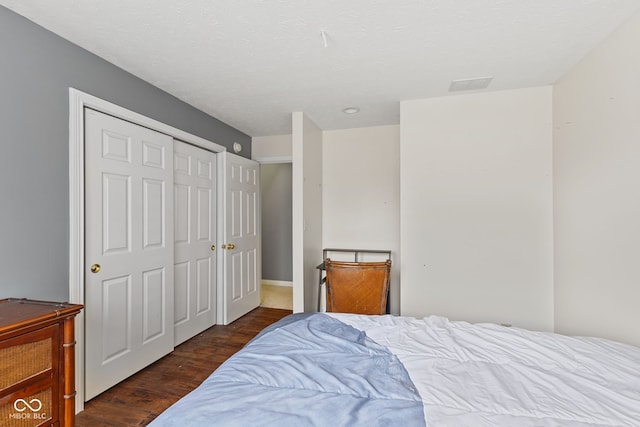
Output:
(78, 101)
(297, 291)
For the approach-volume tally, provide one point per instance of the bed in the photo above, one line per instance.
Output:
(333, 369)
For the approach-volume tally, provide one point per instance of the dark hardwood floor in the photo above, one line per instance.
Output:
(142, 397)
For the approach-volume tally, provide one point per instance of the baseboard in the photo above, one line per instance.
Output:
(277, 283)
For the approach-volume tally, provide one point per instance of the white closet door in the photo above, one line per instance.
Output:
(242, 248)
(128, 249)
(195, 238)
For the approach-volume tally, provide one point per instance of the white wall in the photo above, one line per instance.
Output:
(271, 149)
(307, 211)
(597, 191)
(476, 207)
(361, 193)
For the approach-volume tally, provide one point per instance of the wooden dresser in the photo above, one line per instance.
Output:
(37, 378)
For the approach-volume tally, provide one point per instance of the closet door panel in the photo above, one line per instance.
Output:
(195, 238)
(128, 249)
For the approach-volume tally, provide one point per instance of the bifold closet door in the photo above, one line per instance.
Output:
(128, 249)
(195, 239)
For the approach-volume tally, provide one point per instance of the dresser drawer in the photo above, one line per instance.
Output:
(27, 356)
(29, 409)
(36, 363)
(29, 387)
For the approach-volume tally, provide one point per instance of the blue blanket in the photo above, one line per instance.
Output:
(306, 370)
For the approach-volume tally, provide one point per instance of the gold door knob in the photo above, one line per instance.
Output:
(213, 247)
(231, 246)
(95, 268)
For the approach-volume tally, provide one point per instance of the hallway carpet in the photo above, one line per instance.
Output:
(274, 296)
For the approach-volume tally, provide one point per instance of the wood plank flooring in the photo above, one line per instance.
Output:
(140, 398)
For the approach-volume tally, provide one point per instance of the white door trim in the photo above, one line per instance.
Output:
(78, 101)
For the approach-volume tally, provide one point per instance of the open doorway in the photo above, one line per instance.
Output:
(277, 235)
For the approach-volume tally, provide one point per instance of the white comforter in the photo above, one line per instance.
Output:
(489, 375)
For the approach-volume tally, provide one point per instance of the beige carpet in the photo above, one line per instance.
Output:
(274, 296)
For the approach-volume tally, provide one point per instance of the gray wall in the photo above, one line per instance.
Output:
(36, 70)
(276, 193)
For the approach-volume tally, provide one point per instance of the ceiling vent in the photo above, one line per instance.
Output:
(470, 84)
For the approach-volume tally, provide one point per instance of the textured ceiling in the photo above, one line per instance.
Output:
(250, 63)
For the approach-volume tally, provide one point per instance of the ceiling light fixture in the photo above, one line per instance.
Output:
(470, 84)
(351, 110)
